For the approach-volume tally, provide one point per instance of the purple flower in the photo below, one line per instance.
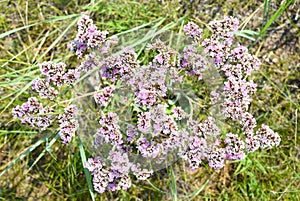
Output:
(193, 31)
(147, 149)
(145, 97)
(88, 36)
(109, 131)
(252, 143)
(71, 76)
(216, 158)
(68, 124)
(144, 121)
(248, 122)
(103, 98)
(33, 113)
(268, 138)
(234, 148)
(44, 89)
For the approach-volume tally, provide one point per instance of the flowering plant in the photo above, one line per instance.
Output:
(163, 121)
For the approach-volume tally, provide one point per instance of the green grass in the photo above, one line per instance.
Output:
(36, 165)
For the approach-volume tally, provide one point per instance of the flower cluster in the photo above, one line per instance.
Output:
(223, 29)
(176, 142)
(207, 128)
(53, 72)
(148, 149)
(195, 151)
(264, 138)
(160, 125)
(247, 61)
(44, 89)
(149, 81)
(248, 122)
(116, 175)
(104, 96)
(144, 121)
(145, 98)
(238, 95)
(56, 75)
(193, 62)
(234, 147)
(268, 138)
(167, 126)
(119, 67)
(88, 36)
(68, 123)
(114, 178)
(235, 63)
(33, 113)
(218, 45)
(179, 113)
(157, 131)
(252, 143)
(216, 157)
(203, 144)
(109, 131)
(193, 31)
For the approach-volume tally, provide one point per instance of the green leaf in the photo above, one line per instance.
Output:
(195, 193)
(5, 132)
(154, 187)
(284, 5)
(240, 33)
(173, 185)
(86, 171)
(250, 32)
(260, 166)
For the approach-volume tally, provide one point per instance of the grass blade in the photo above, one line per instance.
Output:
(28, 151)
(51, 20)
(195, 193)
(140, 27)
(48, 49)
(284, 5)
(154, 187)
(173, 185)
(20, 92)
(43, 152)
(86, 171)
(5, 132)
(266, 10)
(57, 39)
(240, 33)
(250, 32)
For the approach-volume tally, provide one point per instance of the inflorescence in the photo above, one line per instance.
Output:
(158, 128)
